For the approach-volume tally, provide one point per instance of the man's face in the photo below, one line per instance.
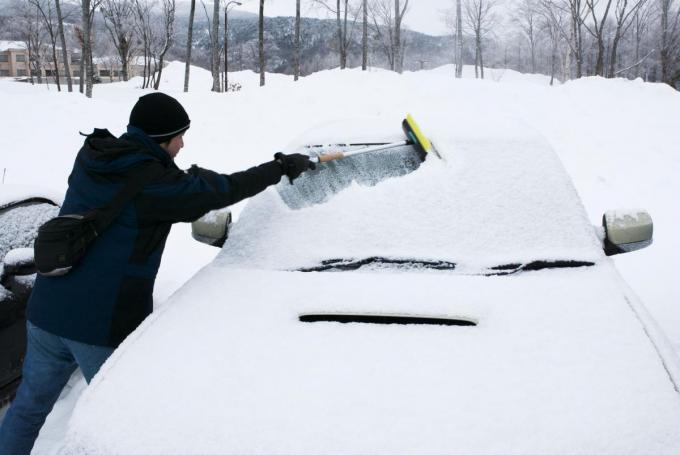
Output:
(174, 145)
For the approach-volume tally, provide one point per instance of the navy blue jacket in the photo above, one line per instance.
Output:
(105, 297)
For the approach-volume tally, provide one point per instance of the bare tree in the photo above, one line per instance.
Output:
(296, 64)
(341, 10)
(215, 35)
(364, 36)
(64, 51)
(189, 45)
(166, 39)
(624, 13)
(44, 7)
(87, 18)
(669, 52)
(552, 23)
(260, 42)
(459, 39)
(480, 19)
(597, 28)
(641, 21)
(385, 22)
(118, 19)
(526, 17)
(399, 13)
(144, 30)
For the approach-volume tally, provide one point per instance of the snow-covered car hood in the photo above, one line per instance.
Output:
(492, 201)
(227, 367)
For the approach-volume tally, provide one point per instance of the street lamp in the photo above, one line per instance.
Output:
(226, 38)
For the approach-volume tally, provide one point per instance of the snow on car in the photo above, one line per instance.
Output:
(466, 307)
(23, 208)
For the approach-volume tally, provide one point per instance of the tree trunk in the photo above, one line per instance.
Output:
(189, 39)
(459, 39)
(260, 43)
(664, 52)
(481, 59)
(397, 38)
(55, 63)
(296, 69)
(341, 44)
(87, 48)
(81, 79)
(226, 52)
(364, 38)
(215, 50)
(64, 52)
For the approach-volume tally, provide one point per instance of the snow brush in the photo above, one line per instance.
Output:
(415, 138)
(367, 166)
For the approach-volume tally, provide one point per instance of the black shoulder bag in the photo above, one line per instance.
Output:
(63, 241)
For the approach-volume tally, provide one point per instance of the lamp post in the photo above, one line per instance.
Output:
(226, 38)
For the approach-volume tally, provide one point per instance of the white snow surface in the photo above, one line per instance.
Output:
(19, 256)
(617, 139)
(558, 364)
(500, 197)
(14, 193)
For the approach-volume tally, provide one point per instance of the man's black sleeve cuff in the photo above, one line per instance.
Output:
(248, 183)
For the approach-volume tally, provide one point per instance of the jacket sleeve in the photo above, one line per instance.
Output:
(186, 196)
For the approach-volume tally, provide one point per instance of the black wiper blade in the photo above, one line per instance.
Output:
(509, 269)
(354, 264)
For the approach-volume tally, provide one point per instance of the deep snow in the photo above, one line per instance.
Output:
(618, 140)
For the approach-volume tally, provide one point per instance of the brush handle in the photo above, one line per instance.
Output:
(332, 156)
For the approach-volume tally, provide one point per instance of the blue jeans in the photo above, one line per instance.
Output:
(50, 361)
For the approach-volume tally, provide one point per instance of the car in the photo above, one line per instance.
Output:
(466, 306)
(22, 210)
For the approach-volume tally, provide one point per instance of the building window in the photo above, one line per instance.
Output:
(116, 73)
(75, 59)
(4, 73)
(20, 57)
(104, 73)
(21, 73)
(49, 72)
(4, 58)
(76, 73)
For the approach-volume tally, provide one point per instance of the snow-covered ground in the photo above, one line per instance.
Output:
(618, 140)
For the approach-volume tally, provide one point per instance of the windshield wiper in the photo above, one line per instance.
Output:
(509, 269)
(354, 264)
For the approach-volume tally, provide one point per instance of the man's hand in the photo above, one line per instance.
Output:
(294, 164)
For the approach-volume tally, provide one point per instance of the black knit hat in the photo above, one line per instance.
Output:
(160, 116)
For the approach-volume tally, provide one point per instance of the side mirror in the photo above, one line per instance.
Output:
(626, 231)
(212, 228)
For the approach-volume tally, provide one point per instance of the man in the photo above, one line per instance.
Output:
(78, 319)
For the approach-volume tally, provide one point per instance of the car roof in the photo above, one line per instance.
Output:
(12, 193)
(494, 199)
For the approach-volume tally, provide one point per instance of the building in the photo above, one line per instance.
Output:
(13, 59)
(14, 62)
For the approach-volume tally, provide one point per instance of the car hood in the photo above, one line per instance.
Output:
(226, 366)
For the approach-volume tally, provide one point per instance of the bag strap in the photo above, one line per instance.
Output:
(138, 179)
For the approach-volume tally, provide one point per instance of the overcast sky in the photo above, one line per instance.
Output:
(424, 16)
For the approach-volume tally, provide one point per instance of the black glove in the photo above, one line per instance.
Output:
(294, 164)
